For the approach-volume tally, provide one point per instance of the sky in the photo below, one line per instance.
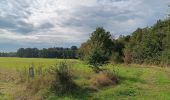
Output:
(56, 23)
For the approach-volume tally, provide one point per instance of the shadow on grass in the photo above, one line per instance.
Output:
(82, 93)
(78, 93)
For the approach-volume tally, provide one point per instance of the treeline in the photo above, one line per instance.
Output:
(56, 52)
(10, 54)
(150, 45)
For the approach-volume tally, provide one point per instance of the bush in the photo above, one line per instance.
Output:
(127, 57)
(97, 58)
(63, 82)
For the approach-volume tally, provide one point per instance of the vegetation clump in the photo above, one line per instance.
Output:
(63, 80)
(104, 78)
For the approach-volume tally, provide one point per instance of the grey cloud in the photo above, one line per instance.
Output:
(91, 17)
(48, 21)
(13, 25)
(46, 25)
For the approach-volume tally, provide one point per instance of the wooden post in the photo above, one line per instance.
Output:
(31, 72)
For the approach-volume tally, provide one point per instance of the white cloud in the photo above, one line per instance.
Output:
(15, 37)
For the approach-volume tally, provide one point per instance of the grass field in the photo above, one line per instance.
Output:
(137, 82)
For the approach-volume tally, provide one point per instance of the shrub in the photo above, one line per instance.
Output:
(127, 56)
(97, 58)
(63, 82)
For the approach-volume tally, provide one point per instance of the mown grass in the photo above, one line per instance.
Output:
(136, 82)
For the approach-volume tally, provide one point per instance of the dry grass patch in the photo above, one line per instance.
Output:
(103, 79)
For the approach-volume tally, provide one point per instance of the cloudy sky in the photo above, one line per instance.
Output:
(48, 23)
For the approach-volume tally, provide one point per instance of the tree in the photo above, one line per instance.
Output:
(98, 49)
(102, 40)
(20, 52)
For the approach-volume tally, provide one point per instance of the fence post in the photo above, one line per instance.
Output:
(31, 72)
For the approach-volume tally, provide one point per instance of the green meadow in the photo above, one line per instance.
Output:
(136, 82)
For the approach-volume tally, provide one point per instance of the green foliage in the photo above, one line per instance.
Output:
(84, 50)
(151, 45)
(118, 48)
(116, 58)
(63, 82)
(97, 50)
(97, 58)
(165, 58)
(100, 39)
